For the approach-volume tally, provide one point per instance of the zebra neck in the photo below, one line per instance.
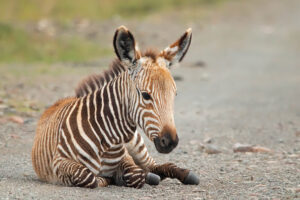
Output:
(111, 104)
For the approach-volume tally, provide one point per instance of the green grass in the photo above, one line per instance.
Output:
(31, 10)
(17, 45)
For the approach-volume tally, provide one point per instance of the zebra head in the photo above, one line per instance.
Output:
(152, 87)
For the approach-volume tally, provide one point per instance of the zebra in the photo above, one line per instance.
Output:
(89, 140)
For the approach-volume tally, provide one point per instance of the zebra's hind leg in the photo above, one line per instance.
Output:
(104, 181)
(170, 170)
(72, 173)
(129, 174)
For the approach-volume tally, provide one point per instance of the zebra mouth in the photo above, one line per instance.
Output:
(165, 144)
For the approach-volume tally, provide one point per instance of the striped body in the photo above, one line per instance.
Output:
(91, 140)
(91, 130)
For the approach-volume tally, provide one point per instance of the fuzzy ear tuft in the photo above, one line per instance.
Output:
(176, 51)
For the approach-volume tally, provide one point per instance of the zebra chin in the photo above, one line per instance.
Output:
(165, 143)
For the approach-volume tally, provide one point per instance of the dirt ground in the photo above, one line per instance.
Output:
(239, 83)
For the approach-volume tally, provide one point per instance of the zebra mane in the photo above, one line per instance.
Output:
(97, 81)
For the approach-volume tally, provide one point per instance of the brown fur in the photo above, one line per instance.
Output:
(151, 53)
(58, 104)
(38, 152)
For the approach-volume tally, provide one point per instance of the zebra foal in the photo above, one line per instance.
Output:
(91, 140)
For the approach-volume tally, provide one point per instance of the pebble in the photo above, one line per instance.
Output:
(242, 148)
(178, 78)
(199, 64)
(210, 149)
(3, 120)
(3, 106)
(14, 136)
(250, 148)
(16, 119)
(208, 140)
(260, 149)
(201, 146)
(193, 142)
(295, 190)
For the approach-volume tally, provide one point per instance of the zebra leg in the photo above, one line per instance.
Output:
(138, 150)
(129, 174)
(72, 173)
(139, 153)
(170, 170)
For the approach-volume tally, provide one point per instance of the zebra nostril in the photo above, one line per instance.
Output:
(165, 141)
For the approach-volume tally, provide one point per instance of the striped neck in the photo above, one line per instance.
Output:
(114, 107)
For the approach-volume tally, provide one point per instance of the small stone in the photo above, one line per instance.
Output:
(3, 106)
(280, 141)
(210, 149)
(201, 146)
(193, 142)
(199, 63)
(204, 76)
(3, 120)
(16, 119)
(242, 148)
(14, 136)
(33, 107)
(208, 140)
(260, 149)
(178, 78)
(294, 156)
(294, 190)
(297, 133)
(250, 148)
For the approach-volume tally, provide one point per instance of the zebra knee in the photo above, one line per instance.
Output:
(84, 178)
(135, 177)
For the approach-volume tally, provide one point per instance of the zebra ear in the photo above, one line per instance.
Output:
(176, 51)
(125, 47)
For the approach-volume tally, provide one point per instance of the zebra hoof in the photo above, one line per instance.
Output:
(152, 179)
(191, 179)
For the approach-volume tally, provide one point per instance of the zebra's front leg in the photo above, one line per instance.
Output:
(71, 173)
(129, 174)
(170, 170)
(139, 153)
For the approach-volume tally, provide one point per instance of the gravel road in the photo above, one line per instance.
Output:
(239, 83)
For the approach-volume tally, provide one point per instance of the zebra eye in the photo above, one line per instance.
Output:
(146, 96)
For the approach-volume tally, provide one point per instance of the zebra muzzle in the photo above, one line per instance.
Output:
(165, 143)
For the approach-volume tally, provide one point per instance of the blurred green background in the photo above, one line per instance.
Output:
(43, 31)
